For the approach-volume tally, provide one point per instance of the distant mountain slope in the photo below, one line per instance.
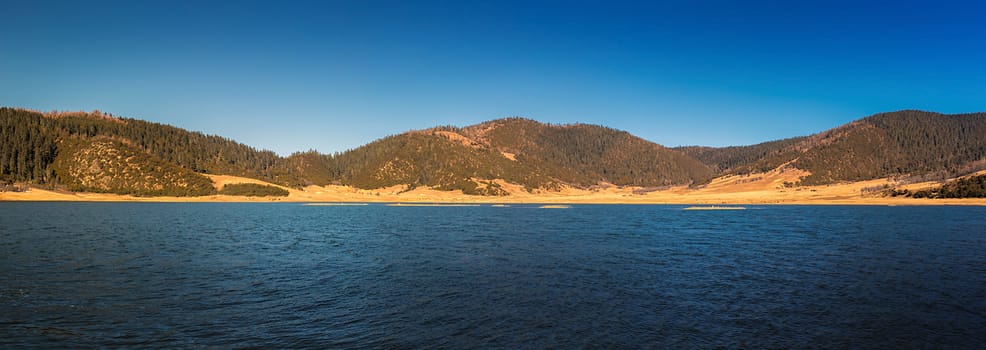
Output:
(429, 158)
(588, 154)
(31, 143)
(59, 150)
(519, 151)
(743, 159)
(903, 143)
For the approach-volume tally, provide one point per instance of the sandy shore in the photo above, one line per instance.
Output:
(765, 188)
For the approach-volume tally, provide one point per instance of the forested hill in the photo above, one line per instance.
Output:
(43, 148)
(897, 144)
(519, 151)
(743, 159)
(100, 152)
(53, 149)
(588, 154)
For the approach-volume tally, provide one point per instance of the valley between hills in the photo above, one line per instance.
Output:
(896, 158)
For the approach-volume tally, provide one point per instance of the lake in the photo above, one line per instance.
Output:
(189, 275)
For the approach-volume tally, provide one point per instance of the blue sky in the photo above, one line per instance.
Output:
(298, 75)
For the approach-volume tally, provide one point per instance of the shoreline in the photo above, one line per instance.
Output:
(37, 195)
(757, 189)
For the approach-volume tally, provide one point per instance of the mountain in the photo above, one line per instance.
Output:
(519, 151)
(897, 144)
(430, 158)
(588, 154)
(103, 153)
(44, 149)
(744, 159)
(34, 142)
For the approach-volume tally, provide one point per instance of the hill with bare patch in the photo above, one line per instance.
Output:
(906, 144)
(103, 153)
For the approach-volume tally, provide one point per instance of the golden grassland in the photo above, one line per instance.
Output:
(762, 188)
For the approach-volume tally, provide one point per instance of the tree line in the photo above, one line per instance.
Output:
(521, 151)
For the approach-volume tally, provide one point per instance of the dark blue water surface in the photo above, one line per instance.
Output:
(286, 275)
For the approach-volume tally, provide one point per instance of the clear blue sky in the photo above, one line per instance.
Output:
(296, 75)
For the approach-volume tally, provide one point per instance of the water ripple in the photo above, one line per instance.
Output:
(288, 276)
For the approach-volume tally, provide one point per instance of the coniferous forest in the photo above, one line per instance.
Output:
(99, 152)
(40, 149)
(904, 144)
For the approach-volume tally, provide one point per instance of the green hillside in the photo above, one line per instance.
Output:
(520, 151)
(100, 152)
(105, 165)
(585, 155)
(745, 159)
(429, 159)
(534, 155)
(30, 143)
(905, 144)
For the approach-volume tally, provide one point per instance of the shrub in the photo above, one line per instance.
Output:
(253, 190)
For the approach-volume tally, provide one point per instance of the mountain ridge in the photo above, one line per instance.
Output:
(538, 156)
(902, 144)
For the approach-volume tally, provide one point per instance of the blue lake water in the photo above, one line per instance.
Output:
(286, 275)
